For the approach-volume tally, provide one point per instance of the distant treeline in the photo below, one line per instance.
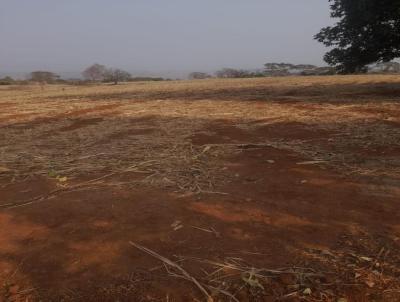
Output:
(288, 69)
(97, 73)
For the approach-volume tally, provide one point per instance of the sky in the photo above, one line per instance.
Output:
(158, 37)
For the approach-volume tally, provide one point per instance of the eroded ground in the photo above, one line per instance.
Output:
(261, 189)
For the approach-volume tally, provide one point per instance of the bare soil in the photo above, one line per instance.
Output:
(281, 189)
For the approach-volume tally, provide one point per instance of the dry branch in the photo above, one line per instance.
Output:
(68, 189)
(185, 274)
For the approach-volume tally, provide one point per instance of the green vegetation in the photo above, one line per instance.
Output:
(368, 31)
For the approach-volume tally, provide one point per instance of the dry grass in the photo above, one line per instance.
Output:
(364, 263)
(70, 131)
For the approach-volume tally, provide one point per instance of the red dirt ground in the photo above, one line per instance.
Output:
(276, 213)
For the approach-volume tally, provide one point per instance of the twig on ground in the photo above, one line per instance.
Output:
(185, 274)
(224, 292)
(66, 189)
(211, 230)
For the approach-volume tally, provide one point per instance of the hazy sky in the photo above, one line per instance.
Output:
(158, 35)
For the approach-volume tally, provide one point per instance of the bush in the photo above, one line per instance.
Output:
(7, 81)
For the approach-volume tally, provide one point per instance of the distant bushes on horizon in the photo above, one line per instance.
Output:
(100, 74)
(288, 69)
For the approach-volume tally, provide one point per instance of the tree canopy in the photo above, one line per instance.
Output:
(367, 31)
(199, 75)
(95, 72)
(116, 75)
(44, 77)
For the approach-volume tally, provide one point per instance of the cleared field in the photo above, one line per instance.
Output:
(260, 189)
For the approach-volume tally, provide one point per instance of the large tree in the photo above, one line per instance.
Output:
(367, 31)
(199, 75)
(95, 72)
(43, 77)
(116, 75)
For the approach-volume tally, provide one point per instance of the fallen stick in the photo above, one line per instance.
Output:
(61, 190)
(212, 192)
(243, 146)
(311, 162)
(211, 230)
(173, 264)
(226, 293)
